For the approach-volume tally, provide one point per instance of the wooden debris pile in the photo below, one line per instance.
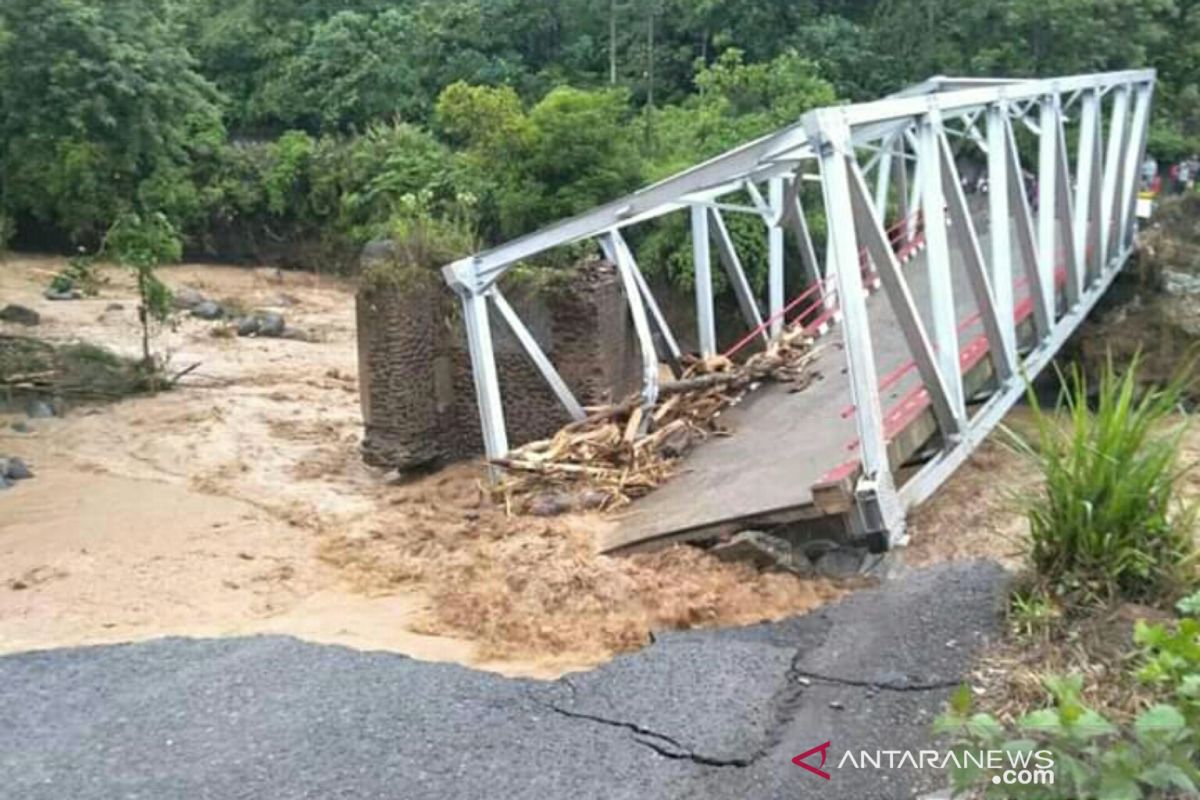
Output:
(623, 451)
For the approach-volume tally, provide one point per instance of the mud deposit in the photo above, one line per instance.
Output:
(239, 504)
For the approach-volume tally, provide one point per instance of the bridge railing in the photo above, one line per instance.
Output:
(1071, 215)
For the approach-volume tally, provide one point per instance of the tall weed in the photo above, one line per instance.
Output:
(1107, 523)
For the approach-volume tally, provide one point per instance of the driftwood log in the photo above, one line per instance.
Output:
(627, 449)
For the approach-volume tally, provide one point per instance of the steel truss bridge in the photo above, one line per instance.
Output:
(977, 291)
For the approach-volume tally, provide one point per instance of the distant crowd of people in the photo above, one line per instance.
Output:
(1180, 176)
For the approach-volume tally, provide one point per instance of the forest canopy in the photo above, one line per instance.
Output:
(248, 123)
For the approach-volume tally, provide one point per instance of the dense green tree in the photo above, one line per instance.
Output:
(339, 113)
(100, 107)
(355, 69)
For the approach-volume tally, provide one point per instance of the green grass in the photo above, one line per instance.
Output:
(1107, 524)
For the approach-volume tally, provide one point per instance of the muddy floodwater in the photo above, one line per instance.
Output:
(238, 504)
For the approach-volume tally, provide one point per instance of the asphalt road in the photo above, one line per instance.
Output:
(699, 714)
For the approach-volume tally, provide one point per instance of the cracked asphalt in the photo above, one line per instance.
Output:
(698, 714)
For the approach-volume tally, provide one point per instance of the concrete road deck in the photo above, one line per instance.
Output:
(785, 441)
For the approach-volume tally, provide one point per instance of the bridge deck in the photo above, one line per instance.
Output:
(783, 442)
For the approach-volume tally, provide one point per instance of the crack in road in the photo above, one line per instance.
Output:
(660, 743)
(880, 685)
(786, 704)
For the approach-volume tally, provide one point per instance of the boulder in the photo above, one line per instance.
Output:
(271, 323)
(262, 323)
(40, 409)
(20, 315)
(246, 326)
(63, 294)
(186, 298)
(841, 562)
(16, 469)
(207, 309)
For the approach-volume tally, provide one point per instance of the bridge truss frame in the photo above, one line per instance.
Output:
(1085, 213)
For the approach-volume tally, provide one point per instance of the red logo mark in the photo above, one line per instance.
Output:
(799, 760)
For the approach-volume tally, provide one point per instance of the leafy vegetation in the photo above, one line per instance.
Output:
(253, 125)
(32, 367)
(1156, 754)
(142, 243)
(1106, 524)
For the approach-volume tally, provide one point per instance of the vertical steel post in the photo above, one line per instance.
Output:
(883, 181)
(1000, 225)
(900, 167)
(775, 289)
(937, 259)
(1137, 150)
(1043, 311)
(914, 196)
(1110, 194)
(483, 370)
(1072, 257)
(829, 130)
(702, 274)
(1086, 189)
(1047, 201)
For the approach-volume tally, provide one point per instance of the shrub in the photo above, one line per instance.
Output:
(1155, 756)
(1106, 522)
(423, 241)
(142, 242)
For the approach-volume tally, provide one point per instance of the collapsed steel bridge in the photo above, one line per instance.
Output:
(979, 290)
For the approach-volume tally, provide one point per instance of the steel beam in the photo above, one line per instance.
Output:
(775, 289)
(870, 228)
(483, 370)
(1137, 148)
(1047, 212)
(537, 356)
(1110, 195)
(883, 183)
(1043, 314)
(922, 485)
(627, 268)
(670, 348)
(827, 127)
(937, 260)
(728, 255)
(808, 252)
(1003, 358)
(1072, 257)
(901, 169)
(1000, 225)
(1087, 192)
(702, 277)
